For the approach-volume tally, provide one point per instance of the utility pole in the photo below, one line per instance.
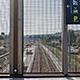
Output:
(69, 51)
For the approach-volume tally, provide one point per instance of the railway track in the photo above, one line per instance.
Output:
(49, 61)
(57, 54)
(42, 61)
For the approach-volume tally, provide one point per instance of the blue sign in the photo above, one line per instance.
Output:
(72, 11)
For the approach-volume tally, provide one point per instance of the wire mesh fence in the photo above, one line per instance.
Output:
(42, 36)
(4, 35)
(74, 48)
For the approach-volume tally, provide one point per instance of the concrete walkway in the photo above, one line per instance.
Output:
(66, 78)
(28, 59)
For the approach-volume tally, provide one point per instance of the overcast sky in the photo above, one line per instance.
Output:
(4, 16)
(43, 17)
(40, 16)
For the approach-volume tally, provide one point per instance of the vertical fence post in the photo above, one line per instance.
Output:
(64, 39)
(20, 36)
(11, 35)
(16, 34)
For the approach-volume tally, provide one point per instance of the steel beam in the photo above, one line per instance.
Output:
(64, 39)
(20, 36)
(11, 35)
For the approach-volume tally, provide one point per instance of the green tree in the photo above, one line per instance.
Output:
(47, 38)
(57, 44)
(1, 37)
(53, 44)
(73, 44)
(78, 41)
(79, 51)
(60, 40)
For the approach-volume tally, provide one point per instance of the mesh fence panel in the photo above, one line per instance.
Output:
(42, 36)
(74, 48)
(4, 35)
